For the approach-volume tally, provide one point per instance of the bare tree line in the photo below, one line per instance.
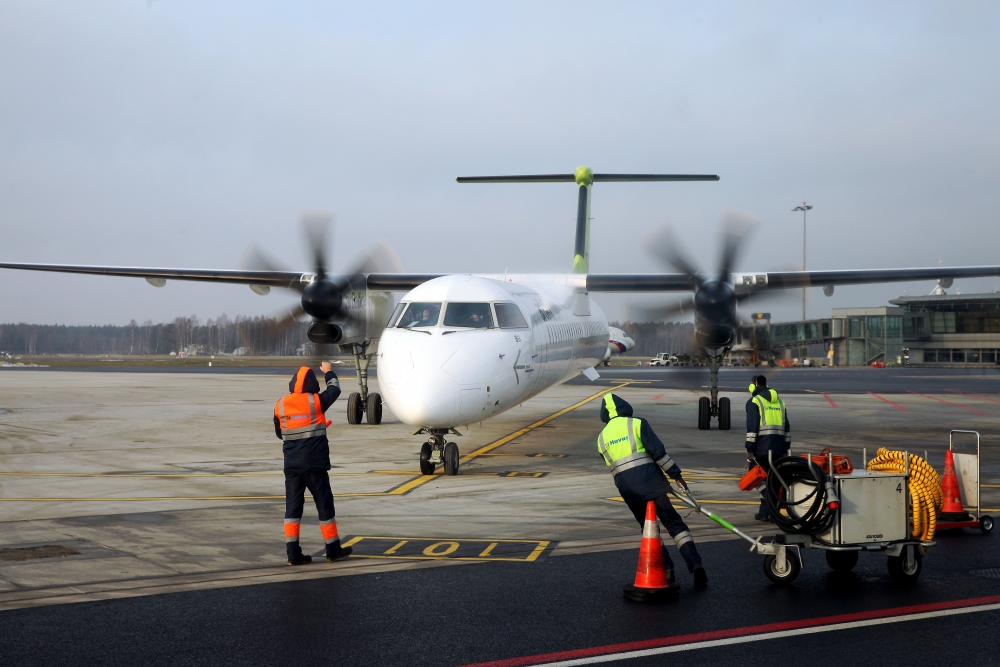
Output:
(258, 335)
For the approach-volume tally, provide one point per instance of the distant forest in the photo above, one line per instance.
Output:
(256, 335)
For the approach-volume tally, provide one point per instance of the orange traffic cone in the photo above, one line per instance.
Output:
(651, 583)
(952, 509)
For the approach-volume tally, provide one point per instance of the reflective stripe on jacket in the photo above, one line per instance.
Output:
(300, 416)
(772, 414)
(620, 443)
(767, 424)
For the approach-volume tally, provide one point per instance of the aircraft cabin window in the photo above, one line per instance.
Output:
(395, 314)
(471, 315)
(509, 316)
(420, 315)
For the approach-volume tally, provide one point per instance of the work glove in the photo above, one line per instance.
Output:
(681, 483)
(750, 458)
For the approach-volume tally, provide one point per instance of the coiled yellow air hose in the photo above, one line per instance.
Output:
(924, 484)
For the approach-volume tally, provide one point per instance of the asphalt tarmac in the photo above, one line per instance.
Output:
(520, 614)
(169, 487)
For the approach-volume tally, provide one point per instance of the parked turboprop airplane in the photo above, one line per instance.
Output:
(619, 343)
(462, 348)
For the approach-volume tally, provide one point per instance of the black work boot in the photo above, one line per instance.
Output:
(762, 517)
(700, 576)
(339, 554)
(301, 559)
(671, 578)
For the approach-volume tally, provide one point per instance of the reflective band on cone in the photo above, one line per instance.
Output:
(651, 583)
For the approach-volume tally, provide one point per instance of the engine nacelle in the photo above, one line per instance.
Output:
(325, 333)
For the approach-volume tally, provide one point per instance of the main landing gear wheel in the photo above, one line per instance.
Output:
(426, 465)
(986, 523)
(373, 409)
(704, 413)
(905, 568)
(355, 408)
(842, 561)
(782, 576)
(725, 423)
(451, 459)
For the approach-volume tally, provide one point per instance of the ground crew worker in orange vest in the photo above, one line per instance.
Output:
(300, 422)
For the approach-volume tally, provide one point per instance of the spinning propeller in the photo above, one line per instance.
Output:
(323, 298)
(715, 298)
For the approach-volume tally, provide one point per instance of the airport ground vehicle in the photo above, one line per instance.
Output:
(663, 359)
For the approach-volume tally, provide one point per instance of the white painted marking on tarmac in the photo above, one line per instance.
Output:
(729, 641)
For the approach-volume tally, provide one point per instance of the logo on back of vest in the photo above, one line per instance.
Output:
(617, 440)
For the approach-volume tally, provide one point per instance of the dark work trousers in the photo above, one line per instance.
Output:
(674, 524)
(296, 483)
(762, 462)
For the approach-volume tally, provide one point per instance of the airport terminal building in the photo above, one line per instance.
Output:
(951, 329)
(935, 330)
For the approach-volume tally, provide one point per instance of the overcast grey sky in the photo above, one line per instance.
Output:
(174, 133)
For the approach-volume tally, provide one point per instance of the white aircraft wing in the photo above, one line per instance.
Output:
(755, 282)
(595, 282)
(295, 280)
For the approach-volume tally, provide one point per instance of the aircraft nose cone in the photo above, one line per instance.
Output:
(429, 383)
(426, 399)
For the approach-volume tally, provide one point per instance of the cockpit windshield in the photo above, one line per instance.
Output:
(471, 315)
(420, 315)
(509, 316)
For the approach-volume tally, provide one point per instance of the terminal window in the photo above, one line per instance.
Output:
(961, 356)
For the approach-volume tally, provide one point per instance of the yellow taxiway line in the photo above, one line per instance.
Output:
(541, 422)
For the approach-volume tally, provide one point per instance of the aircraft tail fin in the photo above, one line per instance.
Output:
(584, 177)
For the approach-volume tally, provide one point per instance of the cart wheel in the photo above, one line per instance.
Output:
(906, 567)
(792, 567)
(986, 523)
(842, 561)
(426, 465)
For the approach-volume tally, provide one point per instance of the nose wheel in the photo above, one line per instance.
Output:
(436, 451)
(715, 407)
(361, 404)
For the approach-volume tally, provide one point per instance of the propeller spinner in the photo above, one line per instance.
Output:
(715, 298)
(323, 298)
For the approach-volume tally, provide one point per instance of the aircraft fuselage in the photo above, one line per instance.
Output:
(438, 368)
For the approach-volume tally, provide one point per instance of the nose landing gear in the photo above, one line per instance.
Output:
(437, 451)
(715, 407)
(361, 403)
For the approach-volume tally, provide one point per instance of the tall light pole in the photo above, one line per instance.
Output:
(805, 207)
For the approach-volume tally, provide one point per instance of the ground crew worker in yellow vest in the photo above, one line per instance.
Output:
(300, 422)
(768, 430)
(638, 461)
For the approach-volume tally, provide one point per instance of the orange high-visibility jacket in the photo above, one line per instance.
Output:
(300, 414)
